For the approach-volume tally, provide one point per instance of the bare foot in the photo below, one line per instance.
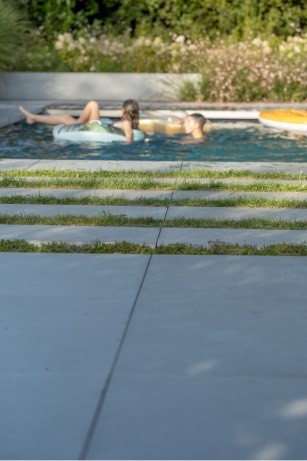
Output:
(29, 117)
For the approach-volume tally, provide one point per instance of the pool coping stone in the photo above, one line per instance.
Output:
(130, 165)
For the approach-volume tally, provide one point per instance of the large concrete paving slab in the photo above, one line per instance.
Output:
(84, 210)
(62, 319)
(236, 213)
(214, 363)
(255, 237)
(79, 234)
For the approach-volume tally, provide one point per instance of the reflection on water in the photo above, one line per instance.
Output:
(228, 141)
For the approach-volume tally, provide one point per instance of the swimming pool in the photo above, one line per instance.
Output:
(228, 141)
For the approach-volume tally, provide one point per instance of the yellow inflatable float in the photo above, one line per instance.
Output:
(285, 119)
(166, 125)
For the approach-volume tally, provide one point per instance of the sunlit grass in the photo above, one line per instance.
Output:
(163, 184)
(176, 249)
(251, 202)
(186, 173)
(107, 219)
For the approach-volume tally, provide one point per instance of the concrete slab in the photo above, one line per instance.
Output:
(106, 165)
(287, 167)
(243, 181)
(223, 195)
(257, 237)
(62, 318)
(167, 417)
(213, 366)
(16, 164)
(84, 210)
(120, 165)
(80, 193)
(237, 213)
(159, 194)
(79, 234)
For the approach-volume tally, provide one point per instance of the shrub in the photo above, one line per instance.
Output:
(268, 69)
(250, 70)
(199, 18)
(12, 33)
(255, 70)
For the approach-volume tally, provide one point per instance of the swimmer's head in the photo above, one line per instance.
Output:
(194, 122)
(130, 111)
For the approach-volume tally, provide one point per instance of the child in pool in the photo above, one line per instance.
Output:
(194, 125)
(90, 114)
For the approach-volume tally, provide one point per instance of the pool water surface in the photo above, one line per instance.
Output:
(228, 141)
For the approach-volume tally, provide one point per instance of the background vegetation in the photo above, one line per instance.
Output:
(155, 17)
(245, 50)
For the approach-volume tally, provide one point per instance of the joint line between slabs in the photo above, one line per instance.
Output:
(167, 208)
(164, 220)
(33, 164)
(101, 401)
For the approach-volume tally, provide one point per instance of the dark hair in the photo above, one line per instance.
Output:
(131, 112)
(200, 118)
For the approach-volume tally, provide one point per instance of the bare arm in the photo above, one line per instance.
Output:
(126, 126)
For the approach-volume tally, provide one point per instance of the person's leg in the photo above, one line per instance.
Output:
(90, 112)
(47, 119)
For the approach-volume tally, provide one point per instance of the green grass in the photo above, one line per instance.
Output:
(177, 249)
(210, 174)
(148, 180)
(106, 219)
(187, 180)
(147, 184)
(251, 202)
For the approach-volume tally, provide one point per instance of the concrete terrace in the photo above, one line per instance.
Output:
(114, 356)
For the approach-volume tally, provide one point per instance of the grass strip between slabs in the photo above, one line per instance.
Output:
(199, 173)
(281, 249)
(107, 219)
(148, 184)
(251, 202)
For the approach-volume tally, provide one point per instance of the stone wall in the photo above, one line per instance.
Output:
(68, 86)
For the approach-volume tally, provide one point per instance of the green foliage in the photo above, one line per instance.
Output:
(55, 16)
(40, 57)
(244, 50)
(195, 18)
(231, 70)
(279, 249)
(188, 91)
(12, 33)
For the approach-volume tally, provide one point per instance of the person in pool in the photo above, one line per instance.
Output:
(90, 114)
(193, 125)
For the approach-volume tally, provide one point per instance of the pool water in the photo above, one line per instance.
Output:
(228, 141)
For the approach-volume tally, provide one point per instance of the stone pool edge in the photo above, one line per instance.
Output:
(7, 164)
